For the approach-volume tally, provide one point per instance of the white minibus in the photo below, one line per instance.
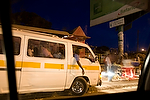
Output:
(46, 63)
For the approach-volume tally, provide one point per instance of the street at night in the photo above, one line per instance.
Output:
(57, 49)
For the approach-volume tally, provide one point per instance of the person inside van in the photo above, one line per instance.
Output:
(56, 50)
(46, 52)
(30, 51)
(35, 51)
(76, 55)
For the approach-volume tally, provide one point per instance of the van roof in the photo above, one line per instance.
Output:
(55, 32)
(43, 32)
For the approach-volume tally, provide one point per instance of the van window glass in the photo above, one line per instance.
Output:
(16, 43)
(38, 48)
(83, 52)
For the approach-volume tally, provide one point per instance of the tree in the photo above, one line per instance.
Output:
(101, 49)
(30, 19)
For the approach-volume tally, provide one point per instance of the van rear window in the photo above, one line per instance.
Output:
(16, 43)
(38, 48)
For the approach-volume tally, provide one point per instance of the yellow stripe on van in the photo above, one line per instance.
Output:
(85, 67)
(73, 67)
(18, 64)
(22, 64)
(31, 65)
(91, 67)
(54, 66)
(2, 63)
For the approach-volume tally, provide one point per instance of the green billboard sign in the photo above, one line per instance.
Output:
(105, 10)
(100, 8)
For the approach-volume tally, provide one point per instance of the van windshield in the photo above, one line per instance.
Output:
(83, 52)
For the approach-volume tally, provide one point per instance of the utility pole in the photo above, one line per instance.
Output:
(120, 40)
(119, 23)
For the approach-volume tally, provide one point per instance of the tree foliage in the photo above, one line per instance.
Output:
(30, 19)
(100, 49)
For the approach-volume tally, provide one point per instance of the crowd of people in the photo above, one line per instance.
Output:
(112, 67)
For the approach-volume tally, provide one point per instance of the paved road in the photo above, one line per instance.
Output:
(117, 84)
(118, 90)
(106, 88)
(110, 87)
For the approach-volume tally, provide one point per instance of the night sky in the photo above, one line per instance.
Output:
(69, 14)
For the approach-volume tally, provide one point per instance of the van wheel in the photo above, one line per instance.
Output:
(79, 86)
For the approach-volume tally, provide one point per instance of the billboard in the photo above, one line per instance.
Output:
(105, 10)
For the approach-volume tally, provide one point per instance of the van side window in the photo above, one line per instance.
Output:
(38, 48)
(83, 52)
(16, 43)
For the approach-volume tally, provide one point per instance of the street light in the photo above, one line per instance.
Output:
(143, 49)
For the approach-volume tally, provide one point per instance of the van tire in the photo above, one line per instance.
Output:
(79, 86)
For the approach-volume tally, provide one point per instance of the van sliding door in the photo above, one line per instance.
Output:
(44, 65)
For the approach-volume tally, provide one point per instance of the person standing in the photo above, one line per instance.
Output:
(108, 63)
